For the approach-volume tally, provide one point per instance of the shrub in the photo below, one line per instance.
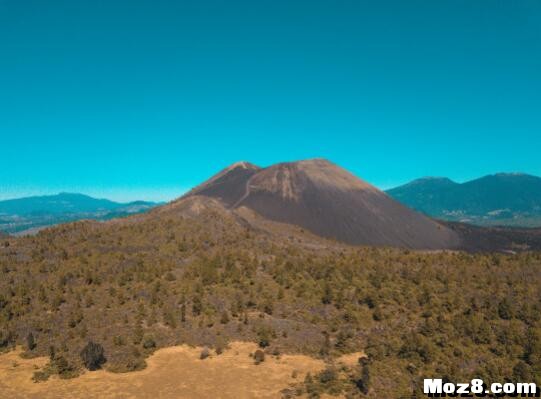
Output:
(148, 342)
(522, 372)
(264, 337)
(183, 313)
(61, 364)
(225, 318)
(311, 387)
(197, 306)
(119, 340)
(58, 365)
(204, 353)
(6, 337)
(30, 342)
(326, 299)
(259, 356)
(40, 376)
(363, 381)
(93, 356)
(505, 310)
(328, 375)
(377, 315)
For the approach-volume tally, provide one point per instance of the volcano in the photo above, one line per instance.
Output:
(328, 201)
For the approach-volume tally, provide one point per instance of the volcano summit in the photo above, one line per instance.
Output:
(326, 200)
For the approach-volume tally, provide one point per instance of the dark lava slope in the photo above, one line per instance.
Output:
(328, 201)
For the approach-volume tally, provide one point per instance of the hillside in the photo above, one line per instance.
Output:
(508, 199)
(195, 272)
(328, 201)
(32, 213)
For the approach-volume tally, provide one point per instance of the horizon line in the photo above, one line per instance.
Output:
(170, 193)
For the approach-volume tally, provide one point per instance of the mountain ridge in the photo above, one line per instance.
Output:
(512, 199)
(26, 214)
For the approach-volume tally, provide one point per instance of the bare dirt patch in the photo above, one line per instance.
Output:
(174, 372)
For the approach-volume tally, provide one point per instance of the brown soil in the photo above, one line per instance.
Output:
(174, 372)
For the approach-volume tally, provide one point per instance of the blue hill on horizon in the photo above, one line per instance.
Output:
(506, 199)
(29, 214)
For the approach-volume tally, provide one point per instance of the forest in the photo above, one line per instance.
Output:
(106, 295)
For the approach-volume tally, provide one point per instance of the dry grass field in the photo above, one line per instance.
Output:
(173, 372)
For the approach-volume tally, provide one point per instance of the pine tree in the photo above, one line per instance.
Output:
(93, 356)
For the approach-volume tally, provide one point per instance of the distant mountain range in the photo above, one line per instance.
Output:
(326, 200)
(25, 215)
(504, 199)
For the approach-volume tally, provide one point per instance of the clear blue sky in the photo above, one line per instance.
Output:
(144, 99)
